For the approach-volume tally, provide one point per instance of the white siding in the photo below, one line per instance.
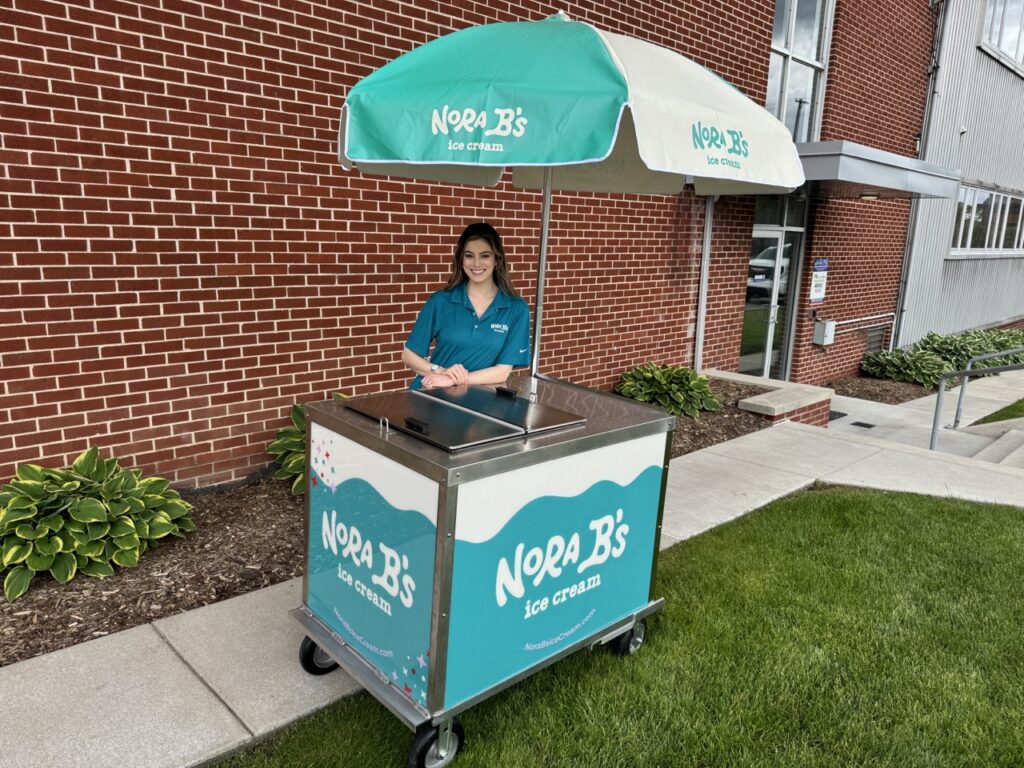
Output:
(978, 128)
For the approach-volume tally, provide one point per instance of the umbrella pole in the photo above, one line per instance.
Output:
(542, 259)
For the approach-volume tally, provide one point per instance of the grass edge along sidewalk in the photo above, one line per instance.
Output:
(834, 627)
(1012, 411)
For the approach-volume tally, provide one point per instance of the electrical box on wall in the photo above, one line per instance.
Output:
(824, 332)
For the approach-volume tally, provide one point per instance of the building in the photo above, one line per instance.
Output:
(184, 258)
(965, 264)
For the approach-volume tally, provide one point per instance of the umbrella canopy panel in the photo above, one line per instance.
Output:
(607, 112)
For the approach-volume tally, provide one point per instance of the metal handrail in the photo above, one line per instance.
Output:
(966, 373)
(963, 387)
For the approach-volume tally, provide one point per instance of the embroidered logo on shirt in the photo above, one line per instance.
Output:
(499, 327)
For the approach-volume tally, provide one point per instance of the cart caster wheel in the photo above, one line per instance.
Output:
(424, 750)
(314, 659)
(631, 641)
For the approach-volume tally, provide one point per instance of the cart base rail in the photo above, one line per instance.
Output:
(355, 665)
(411, 713)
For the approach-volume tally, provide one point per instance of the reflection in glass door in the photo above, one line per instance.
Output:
(763, 347)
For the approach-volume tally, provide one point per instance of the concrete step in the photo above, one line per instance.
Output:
(1015, 458)
(995, 428)
(1002, 447)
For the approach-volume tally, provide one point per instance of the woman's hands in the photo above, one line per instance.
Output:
(441, 379)
(455, 376)
(458, 374)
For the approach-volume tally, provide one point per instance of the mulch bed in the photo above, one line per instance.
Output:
(879, 390)
(247, 538)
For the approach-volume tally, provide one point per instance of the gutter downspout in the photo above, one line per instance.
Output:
(702, 291)
(926, 125)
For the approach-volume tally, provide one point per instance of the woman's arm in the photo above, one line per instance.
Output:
(496, 374)
(416, 363)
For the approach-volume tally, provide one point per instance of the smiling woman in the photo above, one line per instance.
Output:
(477, 325)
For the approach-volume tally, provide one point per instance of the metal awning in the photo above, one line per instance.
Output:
(850, 170)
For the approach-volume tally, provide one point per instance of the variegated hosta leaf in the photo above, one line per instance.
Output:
(14, 514)
(53, 522)
(64, 567)
(48, 545)
(39, 562)
(98, 530)
(175, 508)
(122, 526)
(90, 549)
(131, 541)
(127, 558)
(15, 550)
(67, 541)
(89, 511)
(96, 569)
(85, 464)
(17, 582)
(160, 527)
(30, 472)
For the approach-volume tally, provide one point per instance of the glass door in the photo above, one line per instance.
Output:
(763, 347)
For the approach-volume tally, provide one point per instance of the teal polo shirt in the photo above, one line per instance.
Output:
(500, 337)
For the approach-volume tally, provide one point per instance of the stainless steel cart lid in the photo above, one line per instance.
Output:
(462, 417)
(504, 404)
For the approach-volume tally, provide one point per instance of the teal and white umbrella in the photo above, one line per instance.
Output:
(568, 107)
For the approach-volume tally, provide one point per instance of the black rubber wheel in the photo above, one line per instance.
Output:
(631, 641)
(423, 752)
(313, 658)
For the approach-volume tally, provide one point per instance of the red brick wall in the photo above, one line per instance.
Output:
(864, 243)
(183, 258)
(878, 73)
(816, 415)
(877, 100)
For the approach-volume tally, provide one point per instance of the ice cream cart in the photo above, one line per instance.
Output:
(460, 540)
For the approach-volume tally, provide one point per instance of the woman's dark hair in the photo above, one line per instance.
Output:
(482, 231)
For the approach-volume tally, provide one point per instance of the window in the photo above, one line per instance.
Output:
(988, 222)
(1003, 31)
(797, 63)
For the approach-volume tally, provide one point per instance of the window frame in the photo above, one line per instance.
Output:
(993, 247)
(991, 34)
(819, 66)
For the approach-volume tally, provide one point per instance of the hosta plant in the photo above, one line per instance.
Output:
(289, 450)
(84, 519)
(679, 390)
(917, 366)
(925, 361)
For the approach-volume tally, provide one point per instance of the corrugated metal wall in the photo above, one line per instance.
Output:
(977, 127)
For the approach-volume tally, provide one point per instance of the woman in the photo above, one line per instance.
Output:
(479, 325)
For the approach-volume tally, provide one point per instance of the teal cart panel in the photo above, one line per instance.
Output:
(370, 564)
(548, 555)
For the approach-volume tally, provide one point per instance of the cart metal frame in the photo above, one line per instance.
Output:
(450, 470)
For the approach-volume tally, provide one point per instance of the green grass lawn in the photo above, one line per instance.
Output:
(836, 627)
(1012, 411)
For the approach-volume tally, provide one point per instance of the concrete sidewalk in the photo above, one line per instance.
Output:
(910, 423)
(187, 689)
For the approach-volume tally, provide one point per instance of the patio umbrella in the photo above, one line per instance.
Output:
(567, 107)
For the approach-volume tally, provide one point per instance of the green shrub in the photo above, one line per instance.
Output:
(84, 519)
(935, 354)
(289, 449)
(916, 366)
(677, 389)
